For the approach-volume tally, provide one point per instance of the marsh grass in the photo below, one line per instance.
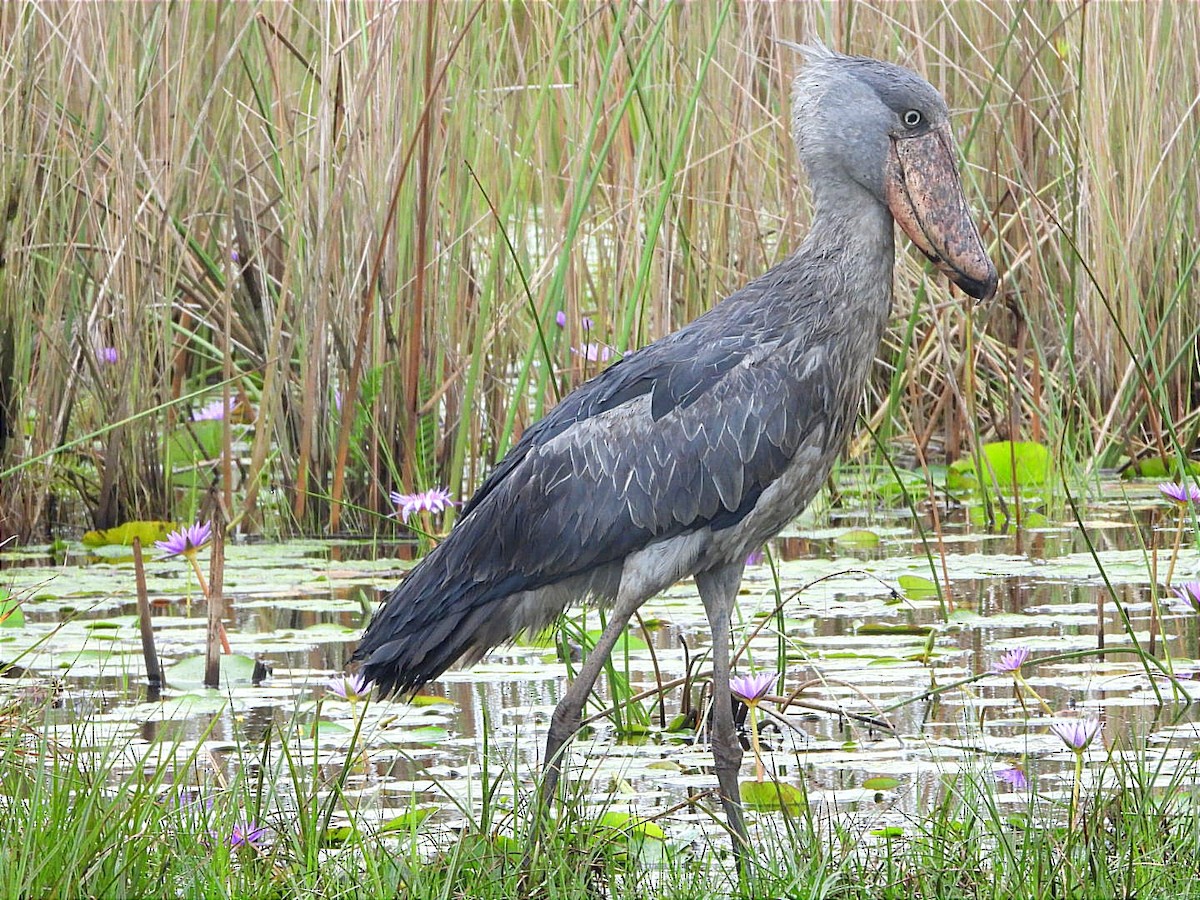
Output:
(385, 206)
(84, 817)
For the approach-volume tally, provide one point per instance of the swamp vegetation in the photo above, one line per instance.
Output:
(266, 265)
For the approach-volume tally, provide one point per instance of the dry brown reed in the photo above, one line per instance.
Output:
(380, 205)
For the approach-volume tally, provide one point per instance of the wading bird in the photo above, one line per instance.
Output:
(688, 454)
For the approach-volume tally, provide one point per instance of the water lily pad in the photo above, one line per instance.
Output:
(882, 783)
(1155, 467)
(769, 796)
(884, 628)
(11, 614)
(336, 835)
(430, 700)
(411, 819)
(915, 587)
(1008, 464)
(680, 723)
(857, 537)
(631, 826)
(427, 734)
(148, 531)
(627, 642)
(189, 672)
(666, 765)
(194, 705)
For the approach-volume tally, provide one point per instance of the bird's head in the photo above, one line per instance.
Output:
(886, 130)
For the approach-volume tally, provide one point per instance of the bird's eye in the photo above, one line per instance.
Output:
(912, 118)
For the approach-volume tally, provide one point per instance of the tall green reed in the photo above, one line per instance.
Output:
(362, 195)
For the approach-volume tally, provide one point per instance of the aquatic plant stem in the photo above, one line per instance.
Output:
(754, 744)
(1074, 810)
(1155, 611)
(191, 558)
(223, 635)
(1178, 543)
(1022, 684)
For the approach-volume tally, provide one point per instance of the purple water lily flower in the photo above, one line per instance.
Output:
(560, 319)
(752, 688)
(107, 355)
(215, 410)
(1014, 777)
(1011, 661)
(434, 500)
(1189, 592)
(1180, 493)
(186, 540)
(1077, 734)
(349, 687)
(247, 834)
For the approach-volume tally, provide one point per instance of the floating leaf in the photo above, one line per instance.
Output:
(474, 852)
(883, 628)
(430, 700)
(628, 641)
(327, 728)
(147, 531)
(409, 820)
(11, 614)
(427, 734)
(235, 669)
(680, 723)
(860, 538)
(102, 652)
(767, 796)
(666, 765)
(890, 831)
(324, 627)
(1020, 464)
(917, 588)
(337, 835)
(881, 783)
(1154, 467)
(631, 826)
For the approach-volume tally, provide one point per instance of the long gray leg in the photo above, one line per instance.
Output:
(565, 722)
(718, 590)
(568, 714)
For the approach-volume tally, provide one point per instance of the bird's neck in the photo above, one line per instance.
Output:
(851, 227)
(851, 249)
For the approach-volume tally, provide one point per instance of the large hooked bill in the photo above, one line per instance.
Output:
(925, 195)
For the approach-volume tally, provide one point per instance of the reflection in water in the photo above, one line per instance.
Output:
(921, 663)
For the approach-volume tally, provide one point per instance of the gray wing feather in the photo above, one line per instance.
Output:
(685, 434)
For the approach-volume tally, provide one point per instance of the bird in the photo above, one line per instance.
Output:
(688, 454)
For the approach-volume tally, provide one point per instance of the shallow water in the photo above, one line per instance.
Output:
(847, 630)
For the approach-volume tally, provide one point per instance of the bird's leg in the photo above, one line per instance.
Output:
(718, 589)
(568, 714)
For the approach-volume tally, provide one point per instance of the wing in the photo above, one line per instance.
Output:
(649, 469)
(685, 434)
(667, 448)
(675, 371)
